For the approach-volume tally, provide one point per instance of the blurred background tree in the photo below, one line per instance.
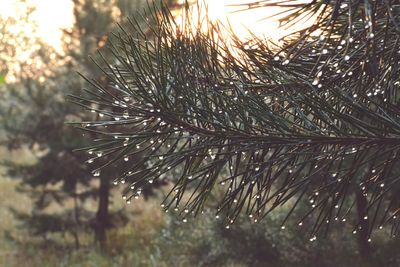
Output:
(35, 113)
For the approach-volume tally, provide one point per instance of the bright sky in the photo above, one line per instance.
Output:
(50, 16)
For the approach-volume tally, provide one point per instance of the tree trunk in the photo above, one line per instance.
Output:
(363, 233)
(77, 220)
(102, 217)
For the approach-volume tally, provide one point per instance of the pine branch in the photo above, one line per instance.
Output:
(312, 122)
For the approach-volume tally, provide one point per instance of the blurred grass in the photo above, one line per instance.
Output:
(7, 223)
(131, 245)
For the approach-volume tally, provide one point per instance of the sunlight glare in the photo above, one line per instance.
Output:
(257, 20)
